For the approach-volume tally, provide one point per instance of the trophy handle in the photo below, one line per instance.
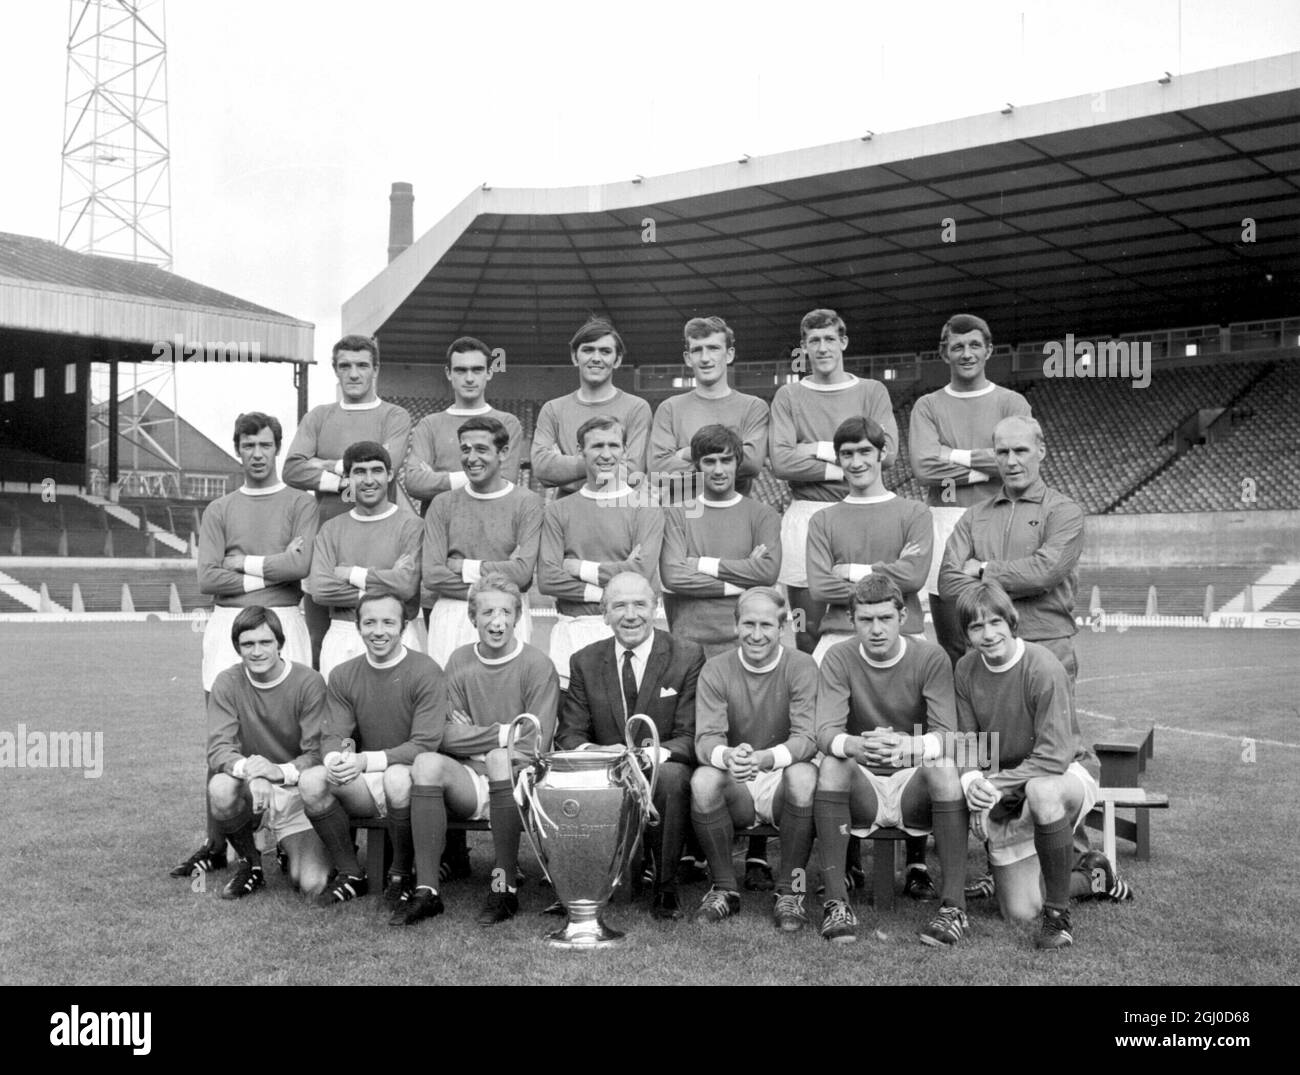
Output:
(513, 734)
(654, 739)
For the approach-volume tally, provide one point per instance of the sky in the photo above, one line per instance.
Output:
(289, 121)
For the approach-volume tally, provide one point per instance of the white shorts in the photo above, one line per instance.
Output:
(794, 540)
(219, 654)
(483, 807)
(375, 783)
(449, 628)
(1011, 839)
(945, 521)
(832, 637)
(889, 801)
(572, 633)
(343, 641)
(284, 816)
(762, 789)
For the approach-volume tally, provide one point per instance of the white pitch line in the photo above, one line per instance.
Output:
(1178, 672)
(1189, 731)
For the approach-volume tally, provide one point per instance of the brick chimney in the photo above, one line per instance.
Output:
(401, 219)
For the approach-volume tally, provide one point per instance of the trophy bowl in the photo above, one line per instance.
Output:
(584, 812)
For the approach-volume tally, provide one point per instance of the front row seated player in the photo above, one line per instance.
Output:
(382, 710)
(489, 683)
(1043, 781)
(754, 739)
(264, 724)
(885, 717)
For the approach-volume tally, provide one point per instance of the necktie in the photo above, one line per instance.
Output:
(629, 683)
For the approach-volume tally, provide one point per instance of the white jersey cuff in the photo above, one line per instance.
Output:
(781, 757)
(376, 760)
(330, 482)
(837, 745)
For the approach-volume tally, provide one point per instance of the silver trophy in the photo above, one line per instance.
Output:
(584, 812)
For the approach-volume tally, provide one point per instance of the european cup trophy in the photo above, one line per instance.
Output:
(584, 812)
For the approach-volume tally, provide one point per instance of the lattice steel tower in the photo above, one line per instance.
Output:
(115, 194)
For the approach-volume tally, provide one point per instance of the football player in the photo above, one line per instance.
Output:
(805, 416)
(382, 710)
(755, 708)
(710, 349)
(436, 464)
(489, 526)
(951, 443)
(557, 453)
(489, 683)
(264, 725)
(589, 538)
(885, 719)
(373, 549)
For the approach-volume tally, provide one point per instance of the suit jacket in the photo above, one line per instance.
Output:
(592, 711)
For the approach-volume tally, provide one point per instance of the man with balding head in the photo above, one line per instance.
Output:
(1027, 539)
(647, 671)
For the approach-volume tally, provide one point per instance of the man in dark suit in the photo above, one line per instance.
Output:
(640, 670)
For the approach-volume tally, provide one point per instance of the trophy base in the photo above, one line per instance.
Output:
(585, 931)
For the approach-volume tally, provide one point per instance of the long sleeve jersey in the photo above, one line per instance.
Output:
(400, 709)
(1031, 546)
(371, 545)
(722, 535)
(327, 432)
(281, 721)
(433, 467)
(772, 708)
(963, 421)
(809, 413)
(602, 531)
(679, 418)
(492, 692)
(1026, 704)
(857, 694)
(556, 456)
(868, 534)
(498, 532)
(260, 524)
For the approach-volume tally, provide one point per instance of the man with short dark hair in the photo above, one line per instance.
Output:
(589, 538)
(264, 726)
(374, 549)
(951, 445)
(710, 349)
(435, 465)
(382, 710)
(885, 721)
(489, 526)
(489, 683)
(557, 456)
(804, 418)
(315, 459)
(651, 672)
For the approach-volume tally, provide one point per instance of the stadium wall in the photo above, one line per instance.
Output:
(1192, 539)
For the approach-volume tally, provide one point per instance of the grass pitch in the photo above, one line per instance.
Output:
(87, 899)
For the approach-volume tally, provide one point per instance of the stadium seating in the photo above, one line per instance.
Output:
(101, 591)
(1180, 591)
(86, 525)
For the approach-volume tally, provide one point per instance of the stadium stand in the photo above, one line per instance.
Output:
(1180, 591)
(1287, 601)
(101, 591)
(38, 527)
(1254, 439)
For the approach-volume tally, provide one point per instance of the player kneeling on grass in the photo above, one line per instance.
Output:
(382, 710)
(489, 683)
(264, 725)
(877, 691)
(754, 737)
(1042, 778)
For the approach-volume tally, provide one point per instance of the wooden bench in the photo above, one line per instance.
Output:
(884, 861)
(1141, 802)
(376, 848)
(1123, 756)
